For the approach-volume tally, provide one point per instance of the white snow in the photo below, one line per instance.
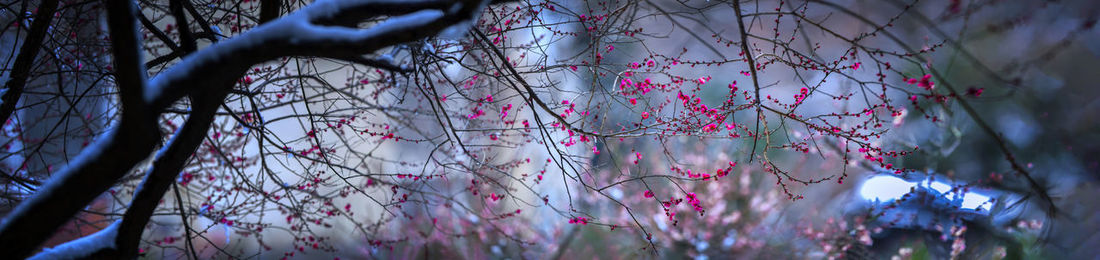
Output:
(459, 30)
(80, 247)
(976, 201)
(386, 58)
(295, 28)
(217, 32)
(428, 48)
(885, 188)
(941, 187)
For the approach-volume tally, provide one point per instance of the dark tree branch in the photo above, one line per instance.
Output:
(302, 34)
(21, 70)
(158, 33)
(269, 10)
(168, 164)
(200, 75)
(162, 59)
(192, 254)
(351, 14)
(97, 167)
(747, 52)
(187, 38)
(381, 64)
(206, 27)
(188, 42)
(127, 49)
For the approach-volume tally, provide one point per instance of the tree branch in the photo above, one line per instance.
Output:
(21, 69)
(187, 38)
(168, 164)
(752, 69)
(269, 10)
(97, 167)
(211, 70)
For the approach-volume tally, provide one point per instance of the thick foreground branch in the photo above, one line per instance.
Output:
(205, 76)
(99, 165)
(122, 238)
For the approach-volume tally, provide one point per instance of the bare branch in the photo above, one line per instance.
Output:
(21, 70)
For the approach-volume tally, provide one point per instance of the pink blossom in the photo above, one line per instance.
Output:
(926, 82)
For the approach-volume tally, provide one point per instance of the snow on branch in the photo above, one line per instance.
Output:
(99, 165)
(310, 32)
(82, 247)
(322, 29)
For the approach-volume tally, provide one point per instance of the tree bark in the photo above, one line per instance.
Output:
(200, 75)
(97, 167)
(166, 166)
(21, 70)
(269, 10)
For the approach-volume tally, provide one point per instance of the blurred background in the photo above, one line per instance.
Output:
(1025, 68)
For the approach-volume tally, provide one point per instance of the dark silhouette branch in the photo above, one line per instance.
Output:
(21, 70)
(205, 76)
(97, 167)
(752, 69)
(187, 38)
(168, 164)
(269, 10)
